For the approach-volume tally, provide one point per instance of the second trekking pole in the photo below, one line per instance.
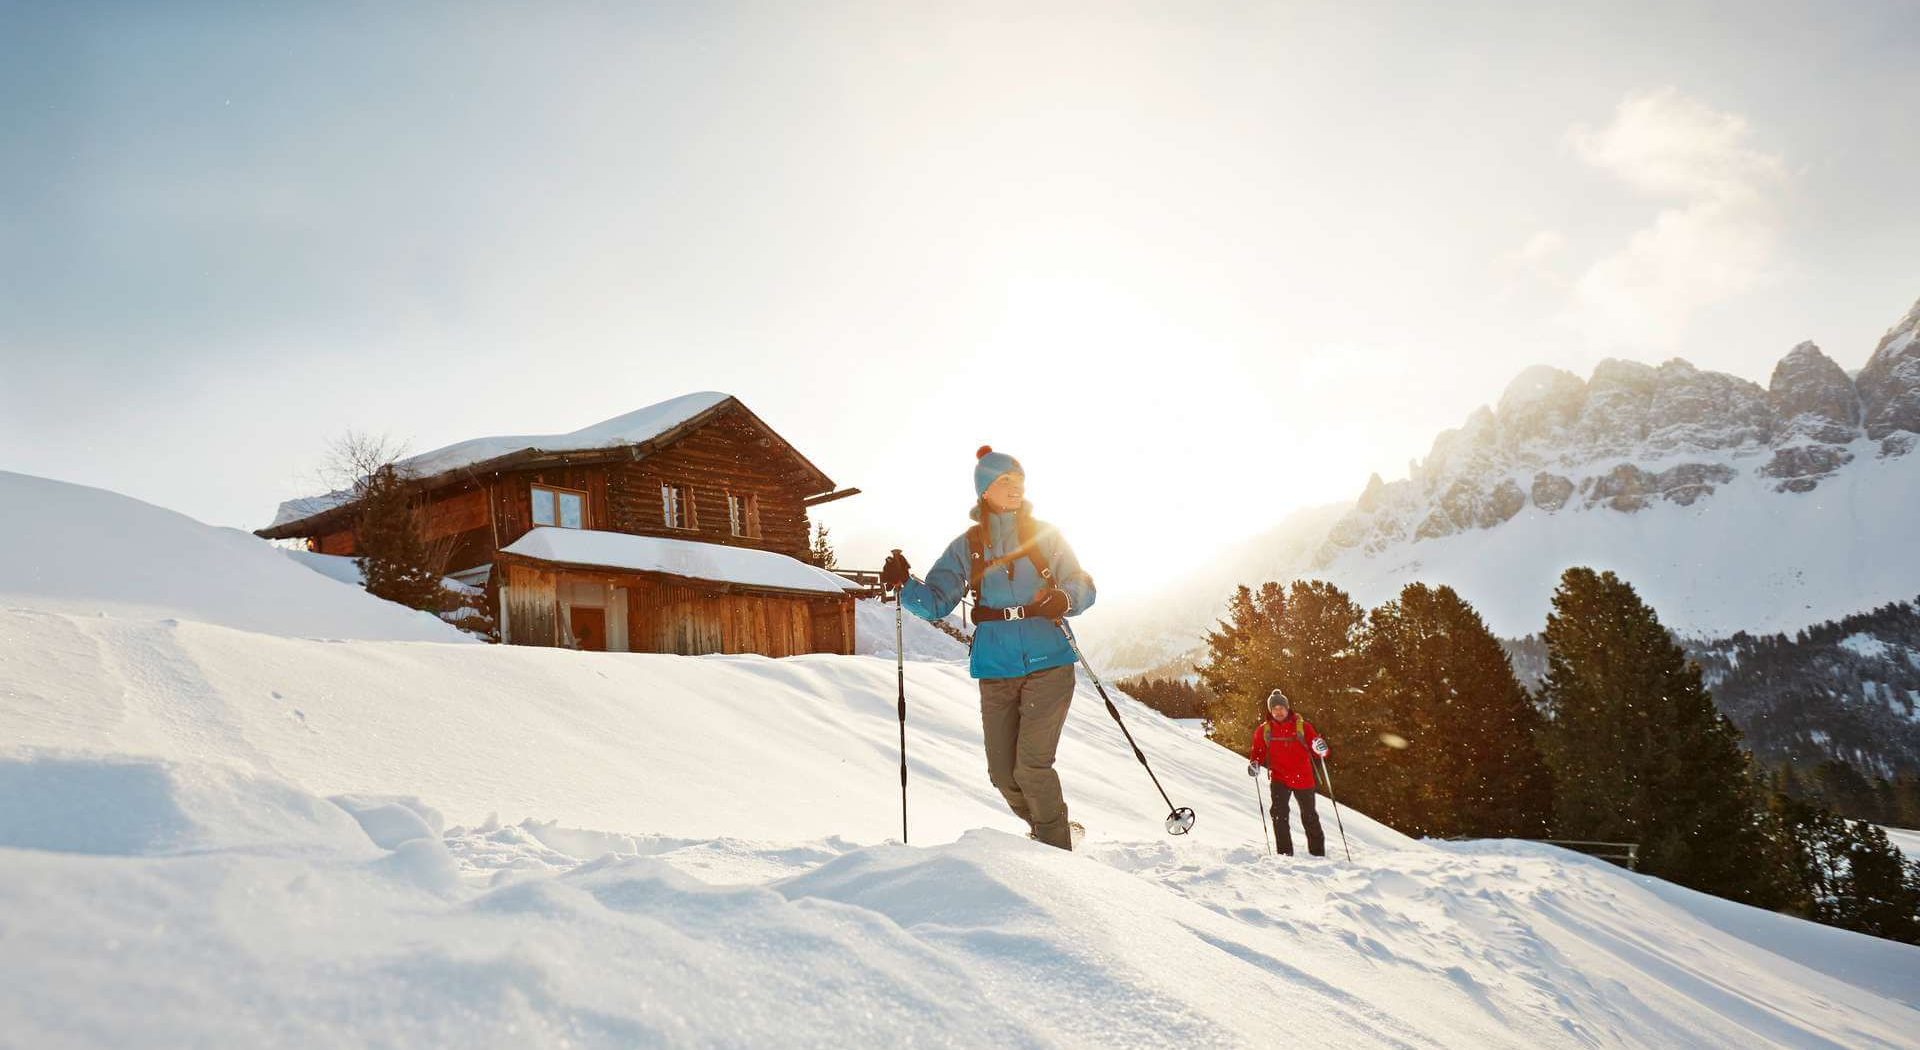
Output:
(900, 672)
(1336, 809)
(1179, 818)
(1260, 800)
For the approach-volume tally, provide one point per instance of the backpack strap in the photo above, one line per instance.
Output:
(1029, 534)
(976, 559)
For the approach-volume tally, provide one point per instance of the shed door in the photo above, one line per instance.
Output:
(590, 628)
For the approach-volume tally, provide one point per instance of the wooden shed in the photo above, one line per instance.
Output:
(629, 593)
(680, 528)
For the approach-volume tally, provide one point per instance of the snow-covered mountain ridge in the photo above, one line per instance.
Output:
(1632, 435)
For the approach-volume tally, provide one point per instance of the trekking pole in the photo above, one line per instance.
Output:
(900, 671)
(1179, 818)
(1260, 801)
(1336, 809)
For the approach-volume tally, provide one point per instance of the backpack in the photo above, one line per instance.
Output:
(1299, 730)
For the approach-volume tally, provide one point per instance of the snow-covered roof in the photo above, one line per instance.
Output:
(689, 558)
(633, 428)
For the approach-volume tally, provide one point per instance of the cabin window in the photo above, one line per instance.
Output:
(566, 508)
(743, 514)
(676, 505)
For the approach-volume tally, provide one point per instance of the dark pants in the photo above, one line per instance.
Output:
(1309, 819)
(1022, 719)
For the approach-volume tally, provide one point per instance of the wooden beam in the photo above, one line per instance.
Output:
(815, 501)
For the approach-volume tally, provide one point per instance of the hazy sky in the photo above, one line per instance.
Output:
(1197, 265)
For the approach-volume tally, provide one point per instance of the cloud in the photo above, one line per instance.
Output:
(1716, 239)
(1541, 248)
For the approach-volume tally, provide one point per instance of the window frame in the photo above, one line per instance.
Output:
(586, 506)
(743, 514)
(688, 514)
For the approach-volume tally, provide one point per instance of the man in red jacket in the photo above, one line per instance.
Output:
(1285, 743)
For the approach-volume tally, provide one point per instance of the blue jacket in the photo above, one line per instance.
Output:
(1005, 648)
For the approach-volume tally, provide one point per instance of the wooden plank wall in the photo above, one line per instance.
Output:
(511, 497)
(451, 512)
(728, 454)
(666, 617)
(533, 604)
(454, 519)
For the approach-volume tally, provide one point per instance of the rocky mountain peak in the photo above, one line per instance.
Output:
(1813, 398)
(1539, 404)
(1614, 421)
(1890, 385)
(1699, 410)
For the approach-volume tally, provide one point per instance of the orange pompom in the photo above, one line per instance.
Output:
(982, 454)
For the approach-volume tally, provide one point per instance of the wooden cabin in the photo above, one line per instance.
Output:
(679, 528)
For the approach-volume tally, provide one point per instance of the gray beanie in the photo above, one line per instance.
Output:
(1277, 699)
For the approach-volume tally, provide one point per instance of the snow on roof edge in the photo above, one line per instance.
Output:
(693, 559)
(630, 428)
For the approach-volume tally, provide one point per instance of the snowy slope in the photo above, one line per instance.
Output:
(1748, 559)
(1906, 840)
(88, 551)
(737, 796)
(222, 837)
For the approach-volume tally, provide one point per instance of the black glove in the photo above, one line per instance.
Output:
(895, 572)
(1051, 602)
(1254, 769)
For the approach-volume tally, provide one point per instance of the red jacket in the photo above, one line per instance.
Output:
(1285, 747)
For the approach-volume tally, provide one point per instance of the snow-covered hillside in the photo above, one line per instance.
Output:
(1747, 559)
(221, 837)
(87, 551)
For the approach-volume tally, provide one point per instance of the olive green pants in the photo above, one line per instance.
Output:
(1022, 719)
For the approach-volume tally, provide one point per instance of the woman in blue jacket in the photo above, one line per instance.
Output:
(1024, 579)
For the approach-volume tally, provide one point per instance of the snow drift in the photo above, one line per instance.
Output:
(223, 836)
(88, 551)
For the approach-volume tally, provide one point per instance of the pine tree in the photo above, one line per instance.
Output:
(1445, 735)
(1882, 891)
(1640, 754)
(1173, 697)
(1847, 873)
(392, 556)
(821, 552)
(1304, 639)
